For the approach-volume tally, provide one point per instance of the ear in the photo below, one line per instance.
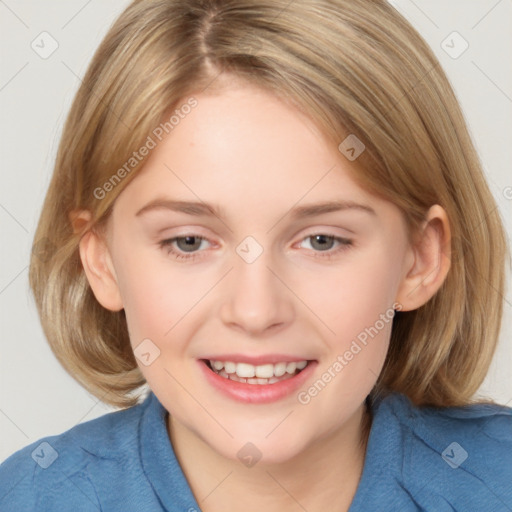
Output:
(430, 256)
(97, 263)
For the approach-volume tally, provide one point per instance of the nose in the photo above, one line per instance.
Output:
(256, 299)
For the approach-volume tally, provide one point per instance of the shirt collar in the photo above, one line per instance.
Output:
(159, 460)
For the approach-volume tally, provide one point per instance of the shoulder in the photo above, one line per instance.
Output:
(64, 463)
(456, 456)
(490, 418)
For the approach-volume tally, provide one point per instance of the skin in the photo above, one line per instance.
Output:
(257, 158)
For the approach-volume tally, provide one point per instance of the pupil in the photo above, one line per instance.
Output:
(322, 239)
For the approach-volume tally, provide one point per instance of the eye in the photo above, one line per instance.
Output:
(185, 244)
(188, 247)
(323, 243)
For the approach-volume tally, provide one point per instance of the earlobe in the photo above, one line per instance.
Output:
(98, 267)
(430, 261)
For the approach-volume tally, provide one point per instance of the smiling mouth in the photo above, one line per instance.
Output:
(258, 375)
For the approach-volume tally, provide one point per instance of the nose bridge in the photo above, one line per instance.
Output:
(255, 299)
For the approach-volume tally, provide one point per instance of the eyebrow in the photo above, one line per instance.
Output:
(201, 209)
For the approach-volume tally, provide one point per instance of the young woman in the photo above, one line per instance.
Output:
(272, 214)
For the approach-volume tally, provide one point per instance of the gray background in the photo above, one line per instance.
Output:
(37, 398)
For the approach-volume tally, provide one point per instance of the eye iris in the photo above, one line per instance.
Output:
(322, 239)
(190, 245)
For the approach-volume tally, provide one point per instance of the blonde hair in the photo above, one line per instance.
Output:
(355, 67)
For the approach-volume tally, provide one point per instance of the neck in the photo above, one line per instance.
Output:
(327, 472)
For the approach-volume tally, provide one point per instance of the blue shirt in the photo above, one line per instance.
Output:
(426, 459)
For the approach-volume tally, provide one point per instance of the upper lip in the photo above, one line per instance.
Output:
(257, 360)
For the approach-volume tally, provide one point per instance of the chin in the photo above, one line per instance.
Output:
(261, 449)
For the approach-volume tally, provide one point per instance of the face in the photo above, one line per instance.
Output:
(264, 282)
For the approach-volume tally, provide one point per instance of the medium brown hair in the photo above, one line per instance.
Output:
(355, 67)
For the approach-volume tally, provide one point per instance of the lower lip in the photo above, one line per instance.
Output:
(257, 393)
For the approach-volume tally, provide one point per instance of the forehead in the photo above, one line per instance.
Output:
(245, 149)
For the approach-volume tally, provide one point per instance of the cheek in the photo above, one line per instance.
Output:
(156, 295)
(354, 294)
(165, 301)
(356, 303)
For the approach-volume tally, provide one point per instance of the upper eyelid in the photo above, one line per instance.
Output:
(341, 240)
(320, 231)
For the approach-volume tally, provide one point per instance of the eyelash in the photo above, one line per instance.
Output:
(345, 244)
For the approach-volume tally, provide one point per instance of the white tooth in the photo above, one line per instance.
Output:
(279, 369)
(245, 370)
(218, 365)
(236, 378)
(291, 367)
(302, 365)
(230, 367)
(265, 371)
(273, 380)
(253, 381)
(263, 381)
